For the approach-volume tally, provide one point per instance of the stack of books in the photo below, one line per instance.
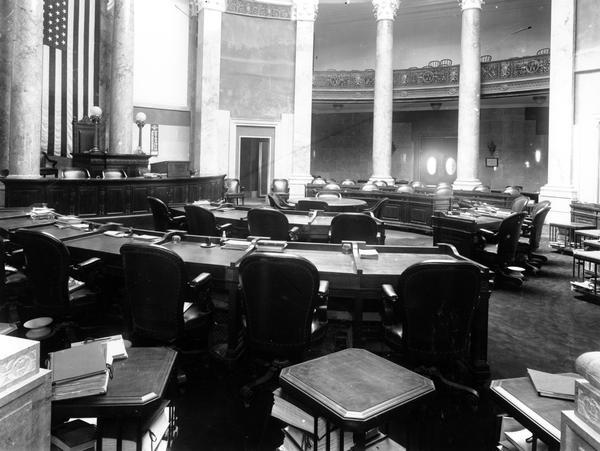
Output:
(80, 371)
(76, 435)
(115, 345)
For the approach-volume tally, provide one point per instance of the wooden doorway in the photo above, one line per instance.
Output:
(437, 160)
(254, 158)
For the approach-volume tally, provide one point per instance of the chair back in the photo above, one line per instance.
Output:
(482, 189)
(232, 186)
(155, 281)
(306, 205)
(353, 227)
(268, 222)
(75, 173)
(437, 301)
(113, 174)
(318, 181)
(519, 204)
(405, 189)
(280, 186)
(47, 267)
(160, 214)
(380, 183)
(376, 208)
(443, 191)
(200, 221)
(369, 187)
(326, 194)
(537, 224)
(348, 182)
(508, 238)
(537, 207)
(417, 184)
(512, 190)
(331, 187)
(279, 293)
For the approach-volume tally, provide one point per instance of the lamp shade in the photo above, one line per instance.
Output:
(140, 117)
(95, 111)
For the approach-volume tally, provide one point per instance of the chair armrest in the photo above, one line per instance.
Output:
(486, 233)
(387, 307)
(200, 280)
(323, 294)
(225, 228)
(324, 288)
(389, 292)
(294, 233)
(87, 265)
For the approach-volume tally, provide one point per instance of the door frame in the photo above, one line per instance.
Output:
(419, 150)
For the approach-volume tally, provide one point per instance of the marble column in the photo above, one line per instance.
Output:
(469, 97)
(104, 71)
(205, 126)
(385, 11)
(121, 89)
(304, 12)
(26, 90)
(560, 189)
(7, 14)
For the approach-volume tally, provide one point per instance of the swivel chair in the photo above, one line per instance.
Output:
(57, 285)
(405, 189)
(307, 205)
(515, 191)
(526, 247)
(427, 319)
(113, 174)
(157, 285)
(369, 187)
(500, 256)
(164, 217)
(356, 227)
(519, 204)
(527, 222)
(348, 182)
(328, 194)
(380, 183)
(271, 223)
(375, 209)
(75, 173)
(201, 221)
(12, 287)
(482, 189)
(281, 188)
(279, 203)
(233, 190)
(285, 309)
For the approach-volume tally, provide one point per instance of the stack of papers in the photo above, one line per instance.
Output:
(115, 346)
(237, 244)
(116, 233)
(553, 385)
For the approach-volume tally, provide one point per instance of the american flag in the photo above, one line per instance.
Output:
(71, 63)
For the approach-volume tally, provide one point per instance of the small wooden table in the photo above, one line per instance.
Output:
(538, 414)
(353, 388)
(562, 234)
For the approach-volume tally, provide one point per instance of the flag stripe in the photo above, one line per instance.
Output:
(45, 84)
(63, 105)
(80, 62)
(97, 52)
(67, 144)
(58, 95)
(86, 56)
(51, 98)
(76, 59)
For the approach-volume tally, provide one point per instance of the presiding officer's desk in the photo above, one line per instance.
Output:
(349, 276)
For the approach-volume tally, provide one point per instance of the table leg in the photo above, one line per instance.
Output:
(357, 313)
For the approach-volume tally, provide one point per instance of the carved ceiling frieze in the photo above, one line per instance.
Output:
(259, 9)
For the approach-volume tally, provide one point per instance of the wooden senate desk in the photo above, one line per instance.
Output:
(539, 414)
(136, 389)
(106, 197)
(462, 230)
(353, 388)
(350, 277)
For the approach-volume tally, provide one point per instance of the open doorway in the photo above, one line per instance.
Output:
(254, 154)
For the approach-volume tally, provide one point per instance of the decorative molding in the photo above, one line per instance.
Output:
(197, 5)
(470, 4)
(18, 366)
(385, 9)
(259, 9)
(305, 10)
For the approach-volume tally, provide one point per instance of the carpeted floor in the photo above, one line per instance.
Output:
(541, 326)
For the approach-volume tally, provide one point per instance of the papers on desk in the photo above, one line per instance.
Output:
(270, 246)
(368, 253)
(144, 237)
(241, 245)
(116, 233)
(115, 346)
(553, 385)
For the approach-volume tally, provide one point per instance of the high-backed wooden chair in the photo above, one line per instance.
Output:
(281, 188)
(233, 191)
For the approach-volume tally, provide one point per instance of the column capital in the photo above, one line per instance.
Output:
(305, 10)
(385, 9)
(470, 4)
(197, 5)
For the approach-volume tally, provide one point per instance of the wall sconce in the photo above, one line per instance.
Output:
(140, 120)
(95, 115)
(492, 147)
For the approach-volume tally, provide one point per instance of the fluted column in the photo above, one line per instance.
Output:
(121, 90)
(205, 157)
(469, 97)
(7, 11)
(385, 11)
(560, 189)
(305, 13)
(26, 89)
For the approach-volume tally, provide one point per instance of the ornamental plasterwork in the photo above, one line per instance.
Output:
(305, 9)
(588, 408)
(259, 9)
(385, 9)
(470, 4)
(198, 5)
(18, 366)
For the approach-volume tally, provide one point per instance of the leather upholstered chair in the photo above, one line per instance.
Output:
(482, 189)
(375, 209)
(307, 205)
(53, 279)
(369, 187)
(279, 203)
(285, 309)
(113, 174)
(356, 227)
(328, 194)
(201, 221)
(157, 285)
(165, 218)
(519, 204)
(12, 286)
(527, 246)
(427, 318)
(380, 183)
(500, 249)
(405, 189)
(281, 188)
(348, 182)
(527, 222)
(75, 173)
(271, 223)
(233, 190)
